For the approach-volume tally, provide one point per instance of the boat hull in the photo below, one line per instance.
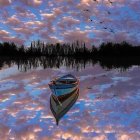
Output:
(64, 85)
(62, 90)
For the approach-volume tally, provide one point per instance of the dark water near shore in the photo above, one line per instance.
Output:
(108, 106)
(28, 63)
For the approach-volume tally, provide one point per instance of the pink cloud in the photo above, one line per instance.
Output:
(74, 35)
(135, 6)
(14, 39)
(4, 33)
(32, 2)
(13, 21)
(5, 2)
(53, 39)
(26, 32)
(20, 9)
(5, 36)
(4, 14)
(51, 16)
(48, 16)
(50, 39)
(22, 12)
(68, 22)
(36, 26)
(127, 136)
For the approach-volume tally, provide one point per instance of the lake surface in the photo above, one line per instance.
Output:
(108, 106)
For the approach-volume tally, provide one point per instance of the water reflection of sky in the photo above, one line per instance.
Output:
(107, 107)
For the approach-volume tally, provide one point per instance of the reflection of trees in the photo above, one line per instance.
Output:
(115, 62)
(28, 63)
(5, 61)
(52, 62)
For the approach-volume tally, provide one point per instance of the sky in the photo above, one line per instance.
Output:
(89, 21)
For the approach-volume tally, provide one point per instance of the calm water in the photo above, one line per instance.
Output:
(108, 106)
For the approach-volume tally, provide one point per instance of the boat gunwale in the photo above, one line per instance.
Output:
(56, 80)
(51, 84)
(59, 83)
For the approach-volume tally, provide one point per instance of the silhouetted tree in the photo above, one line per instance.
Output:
(76, 49)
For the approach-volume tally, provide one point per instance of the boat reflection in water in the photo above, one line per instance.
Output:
(61, 105)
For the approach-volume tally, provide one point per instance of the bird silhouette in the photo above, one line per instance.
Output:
(109, 12)
(110, 1)
(87, 10)
(111, 30)
(101, 22)
(95, 0)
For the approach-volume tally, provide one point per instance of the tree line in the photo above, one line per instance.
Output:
(76, 49)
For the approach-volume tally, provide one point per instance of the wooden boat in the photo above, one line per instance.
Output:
(63, 85)
(62, 104)
(66, 79)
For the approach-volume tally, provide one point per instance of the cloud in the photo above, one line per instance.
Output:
(13, 21)
(26, 15)
(20, 9)
(4, 33)
(48, 16)
(32, 2)
(73, 35)
(52, 39)
(5, 36)
(68, 22)
(5, 3)
(26, 32)
(4, 131)
(127, 136)
(16, 40)
(135, 6)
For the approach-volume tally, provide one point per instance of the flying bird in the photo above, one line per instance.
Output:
(111, 30)
(90, 19)
(110, 1)
(101, 22)
(109, 12)
(95, 0)
(87, 10)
